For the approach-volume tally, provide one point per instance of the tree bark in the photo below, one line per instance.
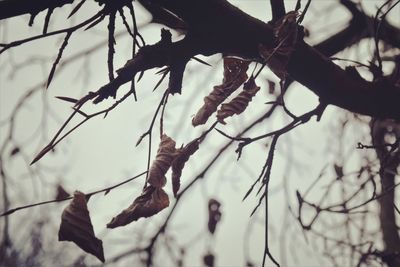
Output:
(389, 163)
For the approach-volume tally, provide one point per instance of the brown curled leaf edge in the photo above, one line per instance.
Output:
(164, 158)
(234, 76)
(77, 227)
(239, 103)
(182, 156)
(150, 202)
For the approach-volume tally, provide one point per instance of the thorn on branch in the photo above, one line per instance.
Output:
(60, 52)
(76, 8)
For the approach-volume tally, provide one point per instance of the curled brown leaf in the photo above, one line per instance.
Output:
(77, 227)
(182, 156)
(239, 103)
(234, 76)
(165, 156)
(150, 202)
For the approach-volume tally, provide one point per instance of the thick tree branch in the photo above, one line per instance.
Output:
(360, 26)
(278, 9)
(12, 8)
(229, 30)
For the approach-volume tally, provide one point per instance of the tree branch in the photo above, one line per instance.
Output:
(229, 30)
(12, 8)
(278, 9)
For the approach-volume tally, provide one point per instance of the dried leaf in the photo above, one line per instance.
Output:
(240, 102)
(165, 156)
(214, 214)
(182, 156)
(234, 76)
(150, 202)
(77, 227)
(285, 32)
(61, 193)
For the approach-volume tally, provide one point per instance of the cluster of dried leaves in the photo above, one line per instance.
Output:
(234, 76)
(76, 225)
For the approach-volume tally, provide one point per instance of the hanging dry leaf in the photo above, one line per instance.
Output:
(165, 156)
(240, 102)
(285, 32)
(77, 227)
(214, 214)
(150, 202)
(181, 158)
(234, 76)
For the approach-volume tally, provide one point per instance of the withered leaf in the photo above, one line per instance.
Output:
(239, 103)
(159, 167)
(150, 202)
(234, 76)
(214, 214)
(77, 227)
(182, 156)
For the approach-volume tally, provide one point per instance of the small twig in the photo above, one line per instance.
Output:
(301, 18)
(76, 8)
(60, 52)
(111, 43)
(66, 30)
(106, 190)
(47, 20)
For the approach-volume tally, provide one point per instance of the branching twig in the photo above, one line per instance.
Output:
(88, 195)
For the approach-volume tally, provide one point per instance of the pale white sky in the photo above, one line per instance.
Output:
(103, 152)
